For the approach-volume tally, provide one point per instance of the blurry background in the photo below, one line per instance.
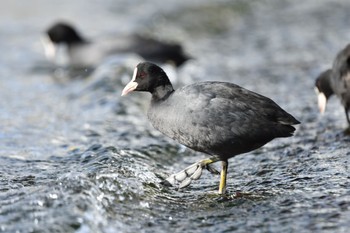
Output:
(76, 157)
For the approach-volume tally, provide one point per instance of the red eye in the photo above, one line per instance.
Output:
(142, 75)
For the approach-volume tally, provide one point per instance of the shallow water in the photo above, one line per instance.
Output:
(76, 157)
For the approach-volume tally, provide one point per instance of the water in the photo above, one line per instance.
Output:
(76, 157)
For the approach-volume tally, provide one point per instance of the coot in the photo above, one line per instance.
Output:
(66, 46)
(217, 118)
(336, 81)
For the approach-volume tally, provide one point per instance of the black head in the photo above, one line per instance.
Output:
(148, 77)
(323, 83)
(324, 89)
(64, 33)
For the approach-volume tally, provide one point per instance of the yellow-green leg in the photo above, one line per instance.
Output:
(223, 176)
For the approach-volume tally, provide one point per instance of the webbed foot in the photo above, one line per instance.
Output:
(193, 172)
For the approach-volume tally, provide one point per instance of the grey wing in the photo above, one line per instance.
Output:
(237, 113)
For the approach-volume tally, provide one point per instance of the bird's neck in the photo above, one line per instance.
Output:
(78, 43)
(162, 92)
(327, 85)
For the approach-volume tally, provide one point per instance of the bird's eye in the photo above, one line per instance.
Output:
(142, 75)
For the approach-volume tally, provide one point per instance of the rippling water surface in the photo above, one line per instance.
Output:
(76, 157)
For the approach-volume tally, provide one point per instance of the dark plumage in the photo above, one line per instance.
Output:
(217, 118)
(64, 33)
(82, 52)
(336, 81)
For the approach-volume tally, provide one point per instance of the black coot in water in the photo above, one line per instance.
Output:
(64, 38)
(217, 118)
(336, 81)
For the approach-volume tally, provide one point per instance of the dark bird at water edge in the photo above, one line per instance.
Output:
(220, 119)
